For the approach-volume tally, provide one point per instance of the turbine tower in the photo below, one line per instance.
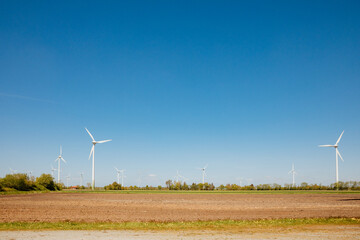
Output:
(67, 181)
(81, 178)
(203, 173)
(52, 171)
(293, 175)
(337, 153)
(59, 159)
(118, 172)
(180, 178)
(122, 177)
(92, 152)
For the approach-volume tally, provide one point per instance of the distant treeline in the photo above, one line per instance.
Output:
(173, 185)
(22, 182)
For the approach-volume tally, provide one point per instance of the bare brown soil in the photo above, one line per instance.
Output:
(88, 207)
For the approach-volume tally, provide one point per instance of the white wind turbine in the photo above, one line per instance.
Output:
(59, 159)
(178, 177)
(67, 181)
(92, 152)
(81, 178)
(292, 171)
(12, 171)
(337, 153)
(29, 173)
(203, 173)
(118, 176)
(52, 170)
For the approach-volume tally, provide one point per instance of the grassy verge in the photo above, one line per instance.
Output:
(215, 192)
(220, 225)
(188, 192)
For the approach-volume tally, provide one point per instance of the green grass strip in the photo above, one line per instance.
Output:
(219, 225)
(188, 192)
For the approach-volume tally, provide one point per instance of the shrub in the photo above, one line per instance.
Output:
(113, 186)
(19, 181)
(47, 181)
(59, 186)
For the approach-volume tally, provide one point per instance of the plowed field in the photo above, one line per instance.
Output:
(92, 207)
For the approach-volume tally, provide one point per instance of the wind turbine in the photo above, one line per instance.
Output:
(292, 171)
(92, 152)
(118, 176)
(59, 159)
(12, 171)
(178, 177)
(81, 178)
(52, 171)
(203, 173)
(67, 181)
(337, 153)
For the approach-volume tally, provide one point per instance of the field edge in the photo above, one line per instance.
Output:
(218, 225)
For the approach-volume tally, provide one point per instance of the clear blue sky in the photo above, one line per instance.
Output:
(248, 87)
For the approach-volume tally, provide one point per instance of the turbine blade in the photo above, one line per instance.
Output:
(60, 150)
(338, 153)
(104, 141)
(339, 138)
(90, 134)
(326, 145)
(63, 160)
(206, 166)
(91, 152)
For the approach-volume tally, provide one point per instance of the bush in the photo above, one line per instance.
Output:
(113, 186)
(19, 181)
(47, 181)
(59, 186)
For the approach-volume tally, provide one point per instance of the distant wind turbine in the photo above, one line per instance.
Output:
(337, 153)
(29, 173)
(59, 159)
(118, 176)
(67, 181)
(178, 177)
(12, 171)
(292, 171)
(92, 152)
(81, 178)
(52, 171)
(203, 173)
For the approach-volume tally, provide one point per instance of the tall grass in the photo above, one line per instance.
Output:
(220, 225)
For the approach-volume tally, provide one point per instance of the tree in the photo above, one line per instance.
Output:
(47, 181)
(168, 184)
(113, 186)
(194, 186)
(185, 186)
(19, 181)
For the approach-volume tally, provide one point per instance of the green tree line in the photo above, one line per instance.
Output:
(22, 182)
